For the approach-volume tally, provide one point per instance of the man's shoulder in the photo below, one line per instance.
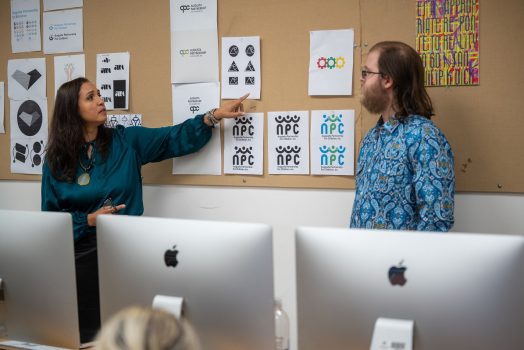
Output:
(421, 127)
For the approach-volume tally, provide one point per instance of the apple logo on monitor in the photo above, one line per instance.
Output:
(396, 274)
(170, 257)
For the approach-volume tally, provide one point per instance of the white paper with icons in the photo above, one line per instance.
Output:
(68, 68)
(26, 78)
(2, 107)
(28, 120)
(331, 62)
(288, 142)
(126, 120)
(244, 144)
(25, 26)
(112, 79)
(63, 31)
(190, 100)
(194, 41)
(332, 142)
(241, 67)
(50, 5)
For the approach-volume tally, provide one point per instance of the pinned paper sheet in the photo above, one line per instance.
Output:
(243, 144)
(25, 25)
(288, 142)
(332, 142)
(112, 78)
(63, 31)
(190, 100)
(331, 62)
(173, 305)
(241, 67)
(26, 78)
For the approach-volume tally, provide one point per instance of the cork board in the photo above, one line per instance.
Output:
(481, 123)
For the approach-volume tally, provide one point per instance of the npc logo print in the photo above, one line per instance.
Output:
(243, 156)
(332, 125)
(288, 156)
(287, 125)
(331, 62)
(243, 127)
(332, 156)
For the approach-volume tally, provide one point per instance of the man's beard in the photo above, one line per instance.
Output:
(374, 99)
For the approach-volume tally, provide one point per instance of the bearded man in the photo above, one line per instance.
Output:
(405, 176)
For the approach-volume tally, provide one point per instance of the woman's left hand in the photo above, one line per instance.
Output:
(231, 109)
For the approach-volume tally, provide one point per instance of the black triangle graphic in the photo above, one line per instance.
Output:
(233, 67)
(250, 67)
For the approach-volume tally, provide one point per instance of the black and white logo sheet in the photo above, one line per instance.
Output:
(28, 119)
(112, 79)
(288, 142)
(2, 108)
(190, 100)
(194, 41)
(26, 78)
(241, 67)
(63, 31)
(68, 68)
(244, 145)
(25, 26)
(126, 120)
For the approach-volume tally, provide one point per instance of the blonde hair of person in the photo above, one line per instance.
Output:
(141, 328)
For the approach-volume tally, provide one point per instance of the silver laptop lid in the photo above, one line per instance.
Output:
(37, 267)
(224, 271)
(464, 291)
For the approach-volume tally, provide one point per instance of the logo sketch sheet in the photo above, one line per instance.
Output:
(241, 67)
(112, 77)
(68, 68)
(26, 78)
(243, 144)
(288, 142)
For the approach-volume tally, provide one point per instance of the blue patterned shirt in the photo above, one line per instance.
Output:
(405, 178)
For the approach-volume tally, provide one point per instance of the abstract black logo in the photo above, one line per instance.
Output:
(233, 80)
(250, 50)
(233, 67)
(250, 67)
(184, 8)
(29, 118)
(194, 109)
(233, 51)
(26, 79)
(288, 155)
(287, 124)
(250, 81)
(170, 257)
(243, 156)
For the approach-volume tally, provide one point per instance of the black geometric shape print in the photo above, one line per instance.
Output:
(26, 79)
(250, 50)
(29, 118)
(233, 67)
(233, 50)
(250, 67)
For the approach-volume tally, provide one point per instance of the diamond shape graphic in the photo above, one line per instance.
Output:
(26, 79)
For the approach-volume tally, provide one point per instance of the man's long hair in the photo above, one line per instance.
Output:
(66, 134)
(403, 64)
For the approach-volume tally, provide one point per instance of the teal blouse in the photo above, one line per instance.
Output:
(119, 176)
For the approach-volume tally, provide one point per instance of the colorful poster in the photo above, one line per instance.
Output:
(448, 41)
(112, 78)
(25, 25)
(332, 142)
(288, 142)
(243, 145)
(331, 62)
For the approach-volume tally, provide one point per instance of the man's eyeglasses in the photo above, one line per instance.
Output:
(365, 73)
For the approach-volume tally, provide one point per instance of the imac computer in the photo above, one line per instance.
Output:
(463, 291)
(37, 270)
(223, 271)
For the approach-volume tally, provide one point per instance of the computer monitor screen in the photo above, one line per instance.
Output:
(224, 272)
(37, 268)
(463, 291)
